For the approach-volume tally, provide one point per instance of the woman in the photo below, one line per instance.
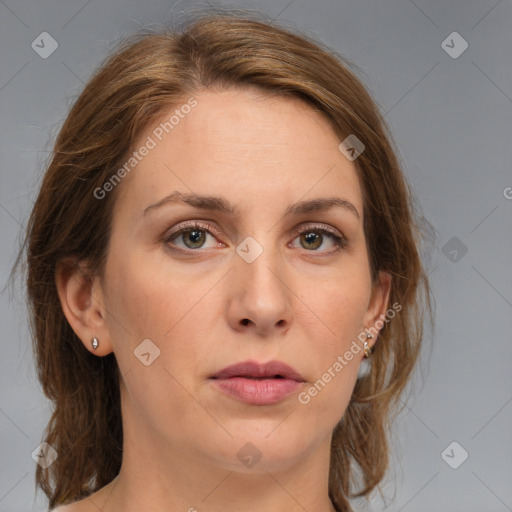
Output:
(222, 237)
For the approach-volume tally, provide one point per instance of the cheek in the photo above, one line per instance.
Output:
(132, 300)
(144, 303)
(337, 350)
(174, 310)
(338, 307)
(133, 308)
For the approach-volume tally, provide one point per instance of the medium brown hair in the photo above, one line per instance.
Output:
(149, 74)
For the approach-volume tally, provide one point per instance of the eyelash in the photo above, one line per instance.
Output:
(340, 241)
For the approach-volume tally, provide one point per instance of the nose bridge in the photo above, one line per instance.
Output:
(259, 288)
(259, 264)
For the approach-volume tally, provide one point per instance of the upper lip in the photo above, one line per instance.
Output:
(254, 369)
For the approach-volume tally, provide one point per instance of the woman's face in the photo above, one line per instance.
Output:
(256, 280)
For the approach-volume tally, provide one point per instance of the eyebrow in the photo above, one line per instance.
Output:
(220, 204)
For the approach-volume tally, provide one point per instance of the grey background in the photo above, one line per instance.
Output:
(452, 120)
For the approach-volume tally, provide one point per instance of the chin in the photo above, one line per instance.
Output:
(261, 450)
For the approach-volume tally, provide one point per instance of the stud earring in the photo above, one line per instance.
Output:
(95, 343)
(367, 349)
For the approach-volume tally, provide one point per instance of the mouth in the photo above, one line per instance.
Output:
(258, 384)
(273, 370)
(258, 378)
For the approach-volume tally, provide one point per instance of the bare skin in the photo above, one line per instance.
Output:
(301, 301)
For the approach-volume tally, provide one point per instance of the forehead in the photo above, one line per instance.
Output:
(244, 144)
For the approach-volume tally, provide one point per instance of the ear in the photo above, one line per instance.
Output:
(378, 304)
(82, 300)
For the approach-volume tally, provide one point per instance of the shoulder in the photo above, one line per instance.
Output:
(88, 504)
(71, 507)
(76, 506)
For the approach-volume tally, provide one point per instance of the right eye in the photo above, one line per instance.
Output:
(193, 236)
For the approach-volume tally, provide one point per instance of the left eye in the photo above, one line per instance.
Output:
(314, 238)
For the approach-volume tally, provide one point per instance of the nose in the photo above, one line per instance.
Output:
(259, 297)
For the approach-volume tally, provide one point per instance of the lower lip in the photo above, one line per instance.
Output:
(257, 391)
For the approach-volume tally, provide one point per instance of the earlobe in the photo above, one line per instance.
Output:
(81, 299)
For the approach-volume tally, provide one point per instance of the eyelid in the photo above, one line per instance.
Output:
(324, 227)
(198, 224)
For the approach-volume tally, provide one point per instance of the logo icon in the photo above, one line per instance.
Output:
(44, 45)
(454, 249)
(454, 45)
(249, 249)
(249, 455)
(45, 455)
(454, 455)
(146, 352)
(351, 147)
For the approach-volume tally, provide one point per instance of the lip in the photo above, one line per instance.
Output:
(255, 369)
(256, 384)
